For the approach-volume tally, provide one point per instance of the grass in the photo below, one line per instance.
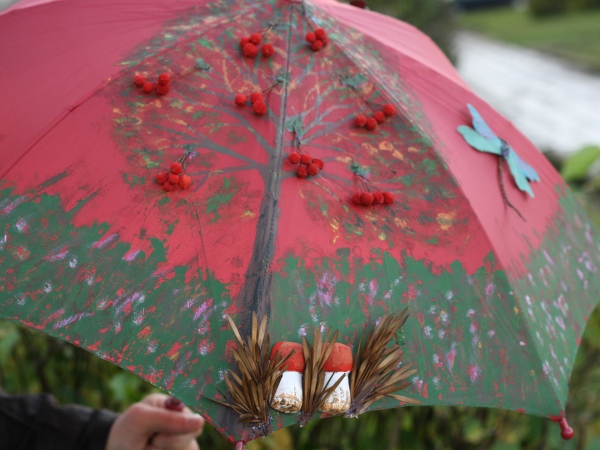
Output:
(573, 36)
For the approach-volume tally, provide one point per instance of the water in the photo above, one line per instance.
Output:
(556, 105)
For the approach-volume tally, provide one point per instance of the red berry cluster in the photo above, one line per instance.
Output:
(317, 39)
(373, 198)
(175, 177)
(162, 86)
(306, 164)
(249, 46)
(257, 99)
(378, 118)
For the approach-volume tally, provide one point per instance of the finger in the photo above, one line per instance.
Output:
(173, 442)
(161, 420)
(158, 400)
(192, 446)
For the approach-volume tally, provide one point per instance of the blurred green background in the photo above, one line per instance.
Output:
(31, 362)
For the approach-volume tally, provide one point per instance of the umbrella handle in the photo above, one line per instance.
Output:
(239, 445)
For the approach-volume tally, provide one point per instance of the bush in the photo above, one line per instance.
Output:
(542, 8)
(583, 4)
(435, 18)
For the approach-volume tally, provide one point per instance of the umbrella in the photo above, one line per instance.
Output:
(326, 187)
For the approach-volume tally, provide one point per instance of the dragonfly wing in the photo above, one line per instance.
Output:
(481, 143)
(480, 126)
(515, 168)
(527, 170)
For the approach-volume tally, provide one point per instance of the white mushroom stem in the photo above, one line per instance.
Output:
(288, 398)
(339, 400)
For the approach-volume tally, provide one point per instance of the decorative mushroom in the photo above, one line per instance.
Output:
(339, 364)
(288, 397)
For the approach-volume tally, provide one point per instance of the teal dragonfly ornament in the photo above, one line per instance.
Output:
(485, 140)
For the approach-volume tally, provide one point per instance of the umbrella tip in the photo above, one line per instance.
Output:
(565, 430)
(359, 3)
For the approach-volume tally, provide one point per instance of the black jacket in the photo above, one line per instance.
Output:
(37, 422)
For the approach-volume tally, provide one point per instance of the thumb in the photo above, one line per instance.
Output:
(160, 420)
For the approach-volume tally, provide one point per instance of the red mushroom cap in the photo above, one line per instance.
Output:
(340, 359)
(296, 362)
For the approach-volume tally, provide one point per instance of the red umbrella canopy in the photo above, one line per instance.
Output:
(94, 251)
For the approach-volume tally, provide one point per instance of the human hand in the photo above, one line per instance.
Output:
(148, 425)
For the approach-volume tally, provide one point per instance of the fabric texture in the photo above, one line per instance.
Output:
(32, 422)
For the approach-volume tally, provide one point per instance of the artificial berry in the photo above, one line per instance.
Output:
(245, 40)
(320, 34)
(148, 87)
(250, 50)
(316, 46)
(310, 37)
(371, 123)
(240, 100)
(325, 41)
(260, 108)
(379, 117)
(389, 110)
(301, 172)
(173, 179)
(256, 38)
(360, 121)
(305, 159)
(185, 181)
(162, 177)
(267, 50)
(139, 80)
(256, 96)
(356, 198)
(312, 169)
(377, 198)
(176, 168)
(163, 79)
(367, 198)
(388, 198)
(167, 186)
(162, 89)
(319, 163)
(294, 157)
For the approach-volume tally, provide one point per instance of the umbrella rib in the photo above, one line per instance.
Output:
(210, 282)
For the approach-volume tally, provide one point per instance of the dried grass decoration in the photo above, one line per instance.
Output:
(315, 389)
(375, 373)
(251, 392)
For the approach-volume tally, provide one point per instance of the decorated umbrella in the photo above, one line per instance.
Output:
(186, 184)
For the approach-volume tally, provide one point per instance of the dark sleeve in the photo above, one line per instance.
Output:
(32, 422)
